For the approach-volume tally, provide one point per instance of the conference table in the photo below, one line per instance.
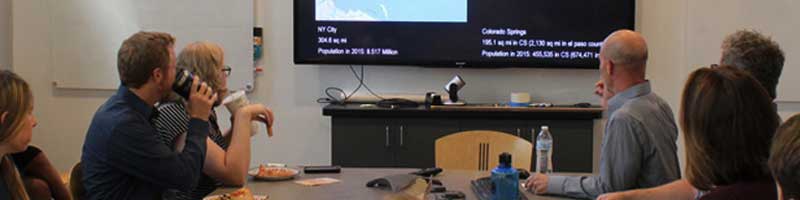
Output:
(353, 181)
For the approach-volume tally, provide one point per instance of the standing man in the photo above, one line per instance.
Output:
(638, 149)
(123, 157)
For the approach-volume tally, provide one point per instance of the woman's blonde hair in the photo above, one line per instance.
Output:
(16, 101)
(204, 59)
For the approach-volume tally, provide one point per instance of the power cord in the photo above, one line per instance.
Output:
(361, 79)
(338, 96)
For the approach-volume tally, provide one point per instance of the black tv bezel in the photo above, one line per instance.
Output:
(444, 63)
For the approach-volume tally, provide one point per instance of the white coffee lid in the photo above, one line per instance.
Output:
(233, 96)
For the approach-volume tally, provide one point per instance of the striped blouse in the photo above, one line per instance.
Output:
(171, 122)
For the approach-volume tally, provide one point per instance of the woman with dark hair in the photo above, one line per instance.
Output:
(728, 121)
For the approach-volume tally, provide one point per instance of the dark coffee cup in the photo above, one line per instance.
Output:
(183, 84)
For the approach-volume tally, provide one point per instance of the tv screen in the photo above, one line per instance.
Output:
(463, 33)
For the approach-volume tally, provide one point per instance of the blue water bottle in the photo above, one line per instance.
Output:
(505, 180)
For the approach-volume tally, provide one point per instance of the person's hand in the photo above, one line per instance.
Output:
(257, 112)
(613, 196)
(600, 91)
(201, 98)
(537, 183)
(599, 88)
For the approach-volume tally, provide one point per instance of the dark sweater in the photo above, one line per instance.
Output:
(123, 157)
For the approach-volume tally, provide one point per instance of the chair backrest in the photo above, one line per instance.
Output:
(479, 150)
(75, 184)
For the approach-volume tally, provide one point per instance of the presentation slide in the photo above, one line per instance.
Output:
(457, 33)
(392, 11)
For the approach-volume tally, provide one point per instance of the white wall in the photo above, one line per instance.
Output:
(302, 133)
(5, 34)
(63, 115)
(663, 25)
(661, 22)
(97, 27)
(730, 15)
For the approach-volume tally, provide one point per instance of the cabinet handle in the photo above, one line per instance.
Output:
(402, 135)
(533, 136)
(387, 136)
(519, 132)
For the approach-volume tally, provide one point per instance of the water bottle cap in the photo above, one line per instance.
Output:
(505, 158)
(545, 128)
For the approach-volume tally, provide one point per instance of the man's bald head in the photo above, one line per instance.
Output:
(626, 49)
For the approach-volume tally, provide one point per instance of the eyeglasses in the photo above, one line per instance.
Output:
(227, 70)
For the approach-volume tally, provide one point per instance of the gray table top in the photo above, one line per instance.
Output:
(352, 185)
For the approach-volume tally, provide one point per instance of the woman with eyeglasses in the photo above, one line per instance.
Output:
(227, 154)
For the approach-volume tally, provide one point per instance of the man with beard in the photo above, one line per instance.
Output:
(123, 157)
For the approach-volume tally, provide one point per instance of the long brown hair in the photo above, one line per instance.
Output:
(728, 120)
(16, 101)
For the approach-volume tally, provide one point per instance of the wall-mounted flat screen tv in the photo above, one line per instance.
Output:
(457, 33)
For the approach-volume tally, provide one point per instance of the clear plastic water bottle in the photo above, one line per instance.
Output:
(544, 151)
(505, 179)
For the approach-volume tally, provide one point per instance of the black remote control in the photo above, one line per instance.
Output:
(321, 169)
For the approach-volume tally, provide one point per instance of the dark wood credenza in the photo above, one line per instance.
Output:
(404, 137)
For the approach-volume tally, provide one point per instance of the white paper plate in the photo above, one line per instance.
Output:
(254, 174)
